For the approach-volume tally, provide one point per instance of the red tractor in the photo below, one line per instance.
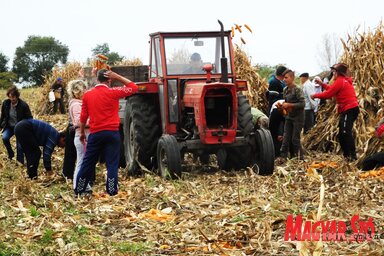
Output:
(192, 102)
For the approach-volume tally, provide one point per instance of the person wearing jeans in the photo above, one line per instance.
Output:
(32, 134)
(101, 106)
(13, 111)
(347, 106)
(76, 89)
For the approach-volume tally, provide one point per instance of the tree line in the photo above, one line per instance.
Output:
(38, 56)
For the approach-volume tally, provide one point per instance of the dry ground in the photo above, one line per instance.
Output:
(207, 212)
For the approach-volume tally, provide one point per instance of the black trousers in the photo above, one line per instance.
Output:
(58, 103)
(373, 161)
(276, 127)
(26, 137)
(309, 120)
(291, 141)
(347, 142)
(69, 153)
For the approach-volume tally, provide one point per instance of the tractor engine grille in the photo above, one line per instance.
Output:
(218, 108)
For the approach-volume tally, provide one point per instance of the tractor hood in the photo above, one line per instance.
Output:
(215, 110)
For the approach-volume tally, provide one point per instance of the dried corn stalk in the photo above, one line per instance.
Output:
(256, 85)
(129, 62)
(364, 54)
(69, 72)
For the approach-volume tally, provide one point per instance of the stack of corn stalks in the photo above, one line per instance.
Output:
(364, 54)
(69, 72)
(130, 62)
(256, 85)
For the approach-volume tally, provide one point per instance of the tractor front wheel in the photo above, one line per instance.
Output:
(168, 157)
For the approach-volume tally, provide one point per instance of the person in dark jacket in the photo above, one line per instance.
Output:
(276, 86)
(293, 107)
(58, 89)
(347, 106)
(13, 111)
(32, 134)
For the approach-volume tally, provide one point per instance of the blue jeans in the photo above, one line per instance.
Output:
(110, 142)
(7, 135)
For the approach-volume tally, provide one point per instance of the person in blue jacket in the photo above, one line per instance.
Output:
(276, 86)
(31, 134)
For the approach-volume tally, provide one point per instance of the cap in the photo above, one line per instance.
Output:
(280, 70)
(340, 68)
(59, 79)
(306, 75)
(195, 57)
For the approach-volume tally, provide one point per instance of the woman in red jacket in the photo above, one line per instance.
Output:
(347, 106)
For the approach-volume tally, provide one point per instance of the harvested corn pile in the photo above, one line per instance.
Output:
(256, 85)
(155, 214)
(379, 173)
(364, 54)
(130, 62)
(69, 72)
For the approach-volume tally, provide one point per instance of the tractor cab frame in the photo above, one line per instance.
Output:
(192, 102)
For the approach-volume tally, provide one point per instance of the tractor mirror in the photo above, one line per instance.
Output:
(198, 43)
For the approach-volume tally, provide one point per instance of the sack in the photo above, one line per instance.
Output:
(51, 96)
(57, 95)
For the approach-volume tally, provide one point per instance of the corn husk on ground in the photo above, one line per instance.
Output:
(207, 212)
(364, 54)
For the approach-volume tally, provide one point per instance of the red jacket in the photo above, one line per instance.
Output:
(344, 91)
(101, 105)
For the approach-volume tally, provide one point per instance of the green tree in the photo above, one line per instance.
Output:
(3, 63)
(7, 79)
(265, 71)
(37, 57)
(101, 49)
(113, 57)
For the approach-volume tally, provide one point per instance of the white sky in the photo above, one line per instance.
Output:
(284, 31)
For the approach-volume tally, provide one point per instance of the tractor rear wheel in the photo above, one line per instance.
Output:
(168, 157)
(239, 157)
(265, 152)
(141, 133)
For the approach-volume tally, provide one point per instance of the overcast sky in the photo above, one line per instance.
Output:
(288, 32)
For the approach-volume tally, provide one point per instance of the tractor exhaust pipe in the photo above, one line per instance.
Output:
(223, 60)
